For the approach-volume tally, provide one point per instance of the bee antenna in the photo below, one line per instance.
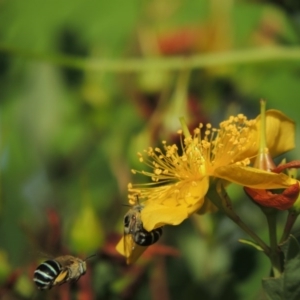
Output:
(127, 205)
(137, 199)
(90, 256)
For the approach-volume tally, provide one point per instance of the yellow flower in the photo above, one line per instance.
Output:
(181, 177)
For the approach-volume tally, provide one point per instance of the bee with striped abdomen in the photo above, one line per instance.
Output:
(58, 271)
(134, 232)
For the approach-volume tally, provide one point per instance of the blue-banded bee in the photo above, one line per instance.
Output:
(136, 238)
(133, 228)
(58, 271)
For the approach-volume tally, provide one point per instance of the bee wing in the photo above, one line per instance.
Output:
(128, 248)
(62, 277)
(66, 260)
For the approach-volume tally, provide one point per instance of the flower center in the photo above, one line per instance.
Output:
(224, 146)
(201, 153)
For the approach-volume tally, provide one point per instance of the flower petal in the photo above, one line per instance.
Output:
(254, 178)
(133, 254)
(170, 205)
(156, 215)
(120, 247)
(280, 134)
(281, 201)
(185, 192)
(284, 166)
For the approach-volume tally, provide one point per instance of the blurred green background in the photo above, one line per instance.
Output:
(84, 86)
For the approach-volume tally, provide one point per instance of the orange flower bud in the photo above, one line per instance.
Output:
(281, 201)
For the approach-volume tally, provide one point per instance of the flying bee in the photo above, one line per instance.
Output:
(58, 271)
(134, 232)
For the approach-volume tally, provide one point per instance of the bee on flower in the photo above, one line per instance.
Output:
(181, 177)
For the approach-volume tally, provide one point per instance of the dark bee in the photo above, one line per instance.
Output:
(133, 226)
(58, 271)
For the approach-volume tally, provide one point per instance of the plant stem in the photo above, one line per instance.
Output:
(290, 221)
(262, 134)
(220, 198)
(274, 255)
(236, 57)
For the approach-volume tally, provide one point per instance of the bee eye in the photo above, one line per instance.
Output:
(126, 221)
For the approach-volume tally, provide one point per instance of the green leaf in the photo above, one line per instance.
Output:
(273, 288)
(287, 286)
(292, 279)
(250, 243)
(86, 234)
(290, 248)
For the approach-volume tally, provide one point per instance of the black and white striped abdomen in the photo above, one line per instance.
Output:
(145, 238)
(46, 273)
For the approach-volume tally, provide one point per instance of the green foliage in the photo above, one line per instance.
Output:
(69, 134)
(86, 234)
(287, 285)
